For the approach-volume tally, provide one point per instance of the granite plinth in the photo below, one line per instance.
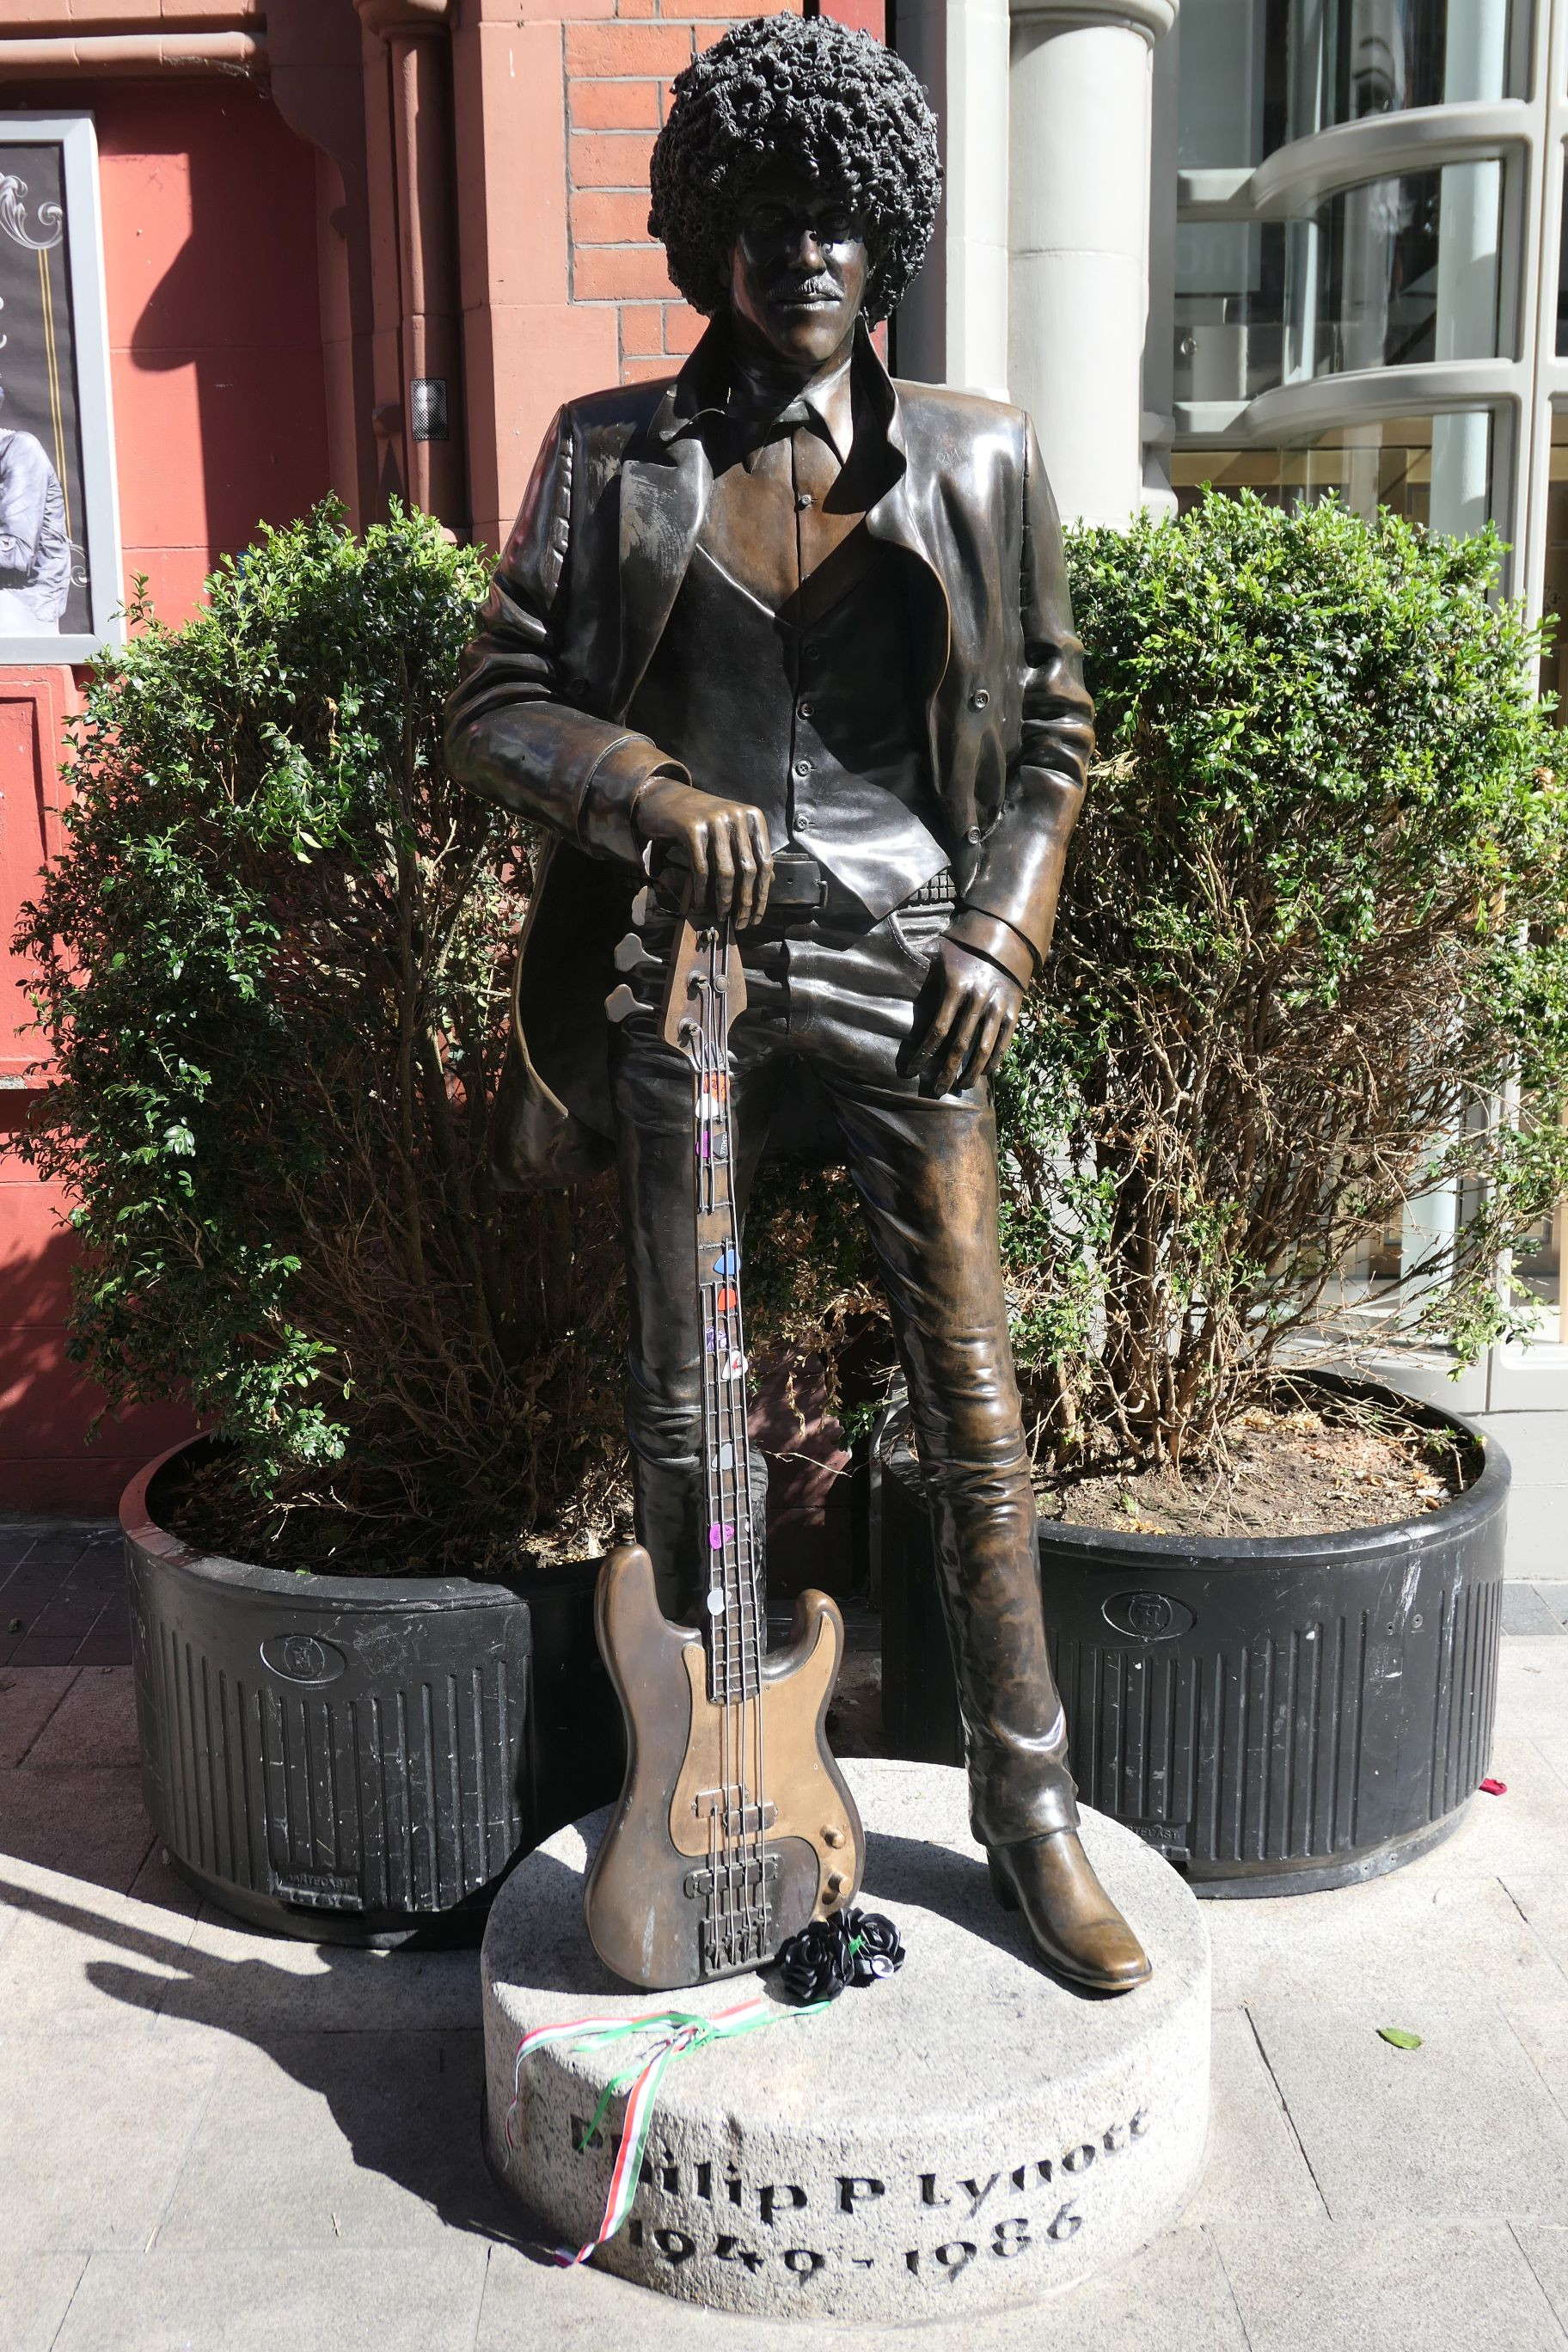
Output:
(966, 2134)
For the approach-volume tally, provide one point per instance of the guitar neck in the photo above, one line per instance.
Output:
(734, 1631)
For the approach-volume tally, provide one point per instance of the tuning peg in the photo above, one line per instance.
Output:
(619, 1002)
(640, 906)
(632, 956)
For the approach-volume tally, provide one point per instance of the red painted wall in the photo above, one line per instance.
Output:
(209, 214)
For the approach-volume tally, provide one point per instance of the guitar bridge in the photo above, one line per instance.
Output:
(736, 1930)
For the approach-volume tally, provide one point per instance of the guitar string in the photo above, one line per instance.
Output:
(741, 1457)
(723, 1890)
(750, 1600)
(750, 1840)
(699, 1188)
(734, 1900)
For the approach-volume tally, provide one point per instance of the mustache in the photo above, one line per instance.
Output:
(820, 287)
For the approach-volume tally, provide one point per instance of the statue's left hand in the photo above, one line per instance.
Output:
(976, 1011)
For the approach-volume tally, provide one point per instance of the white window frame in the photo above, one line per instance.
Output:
(75, 134)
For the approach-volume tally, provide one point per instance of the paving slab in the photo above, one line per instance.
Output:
(1532, 1686)
(1384, 2290)
(1540, 2028)
(94, 1727)
(109, 1643)
(1537, 1531)
(1526, 1610)
(357, 2139)
(1173, 2297)
(1544, 2246)
(1455, 1937)
(35, 2296)
(28, 1696)
(83, 1959)
(1536, 1445)
(422, 2299)
(93, 2131)
(91, 1825)
(1256, 2172)
(1524, 1829)
(1542, 1900)
(259, 1986)
(1464, 2127)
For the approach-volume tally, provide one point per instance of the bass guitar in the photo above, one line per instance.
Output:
(734, 1826)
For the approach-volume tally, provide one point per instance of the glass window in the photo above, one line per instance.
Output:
(1554, 597)
(1256, 74)
(1395, 272)
(1229, 309)
(1432, 469)
(1385, 274)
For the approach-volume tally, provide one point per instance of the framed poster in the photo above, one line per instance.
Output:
(59, 539)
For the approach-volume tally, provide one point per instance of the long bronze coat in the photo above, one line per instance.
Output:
(578, 602)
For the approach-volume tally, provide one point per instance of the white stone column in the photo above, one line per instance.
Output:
(1079, 238)
(953, 325)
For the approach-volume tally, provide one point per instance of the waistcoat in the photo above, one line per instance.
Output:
(821, 727)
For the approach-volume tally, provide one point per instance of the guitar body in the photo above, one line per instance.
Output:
(650, 1903)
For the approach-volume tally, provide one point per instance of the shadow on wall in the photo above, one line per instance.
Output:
(210, 231)
(50, 1457)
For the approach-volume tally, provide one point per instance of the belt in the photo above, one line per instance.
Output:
(799, 886)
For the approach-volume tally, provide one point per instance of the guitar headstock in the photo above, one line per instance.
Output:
(700, 957)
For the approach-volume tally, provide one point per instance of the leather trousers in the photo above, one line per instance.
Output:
(844, 1004)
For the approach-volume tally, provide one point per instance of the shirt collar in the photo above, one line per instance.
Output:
(703, 389)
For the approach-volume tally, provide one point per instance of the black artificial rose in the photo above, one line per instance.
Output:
(875, 1949)
(854, 1947)
(814, 1964)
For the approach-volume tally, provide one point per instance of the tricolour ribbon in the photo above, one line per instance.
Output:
(678, 2031)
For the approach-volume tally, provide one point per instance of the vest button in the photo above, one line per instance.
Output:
(805, 821)
(803, 767)
(979, 698)
(974, 835)
(803, 499)
(806, 708)
(811, 653)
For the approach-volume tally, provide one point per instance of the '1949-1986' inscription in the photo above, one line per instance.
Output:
(775, 2205)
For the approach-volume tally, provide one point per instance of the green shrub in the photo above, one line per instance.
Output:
(1314, 924)
(272, 965)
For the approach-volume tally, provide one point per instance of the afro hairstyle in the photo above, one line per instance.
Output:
(810, 91)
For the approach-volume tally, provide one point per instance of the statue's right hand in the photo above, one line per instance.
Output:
(725, 844)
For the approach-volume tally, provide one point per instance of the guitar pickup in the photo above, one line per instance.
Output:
(735, 1819)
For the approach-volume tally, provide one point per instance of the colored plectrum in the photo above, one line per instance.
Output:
(1398, 2036)
(1494, 1787)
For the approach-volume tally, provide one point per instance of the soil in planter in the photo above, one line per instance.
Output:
(200, 1500)
(1287, 1469)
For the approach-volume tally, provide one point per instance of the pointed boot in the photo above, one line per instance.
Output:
(1076, 1927)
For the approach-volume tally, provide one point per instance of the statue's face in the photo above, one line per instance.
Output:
(798, 267)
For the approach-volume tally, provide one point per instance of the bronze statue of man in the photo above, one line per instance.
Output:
(808, 633)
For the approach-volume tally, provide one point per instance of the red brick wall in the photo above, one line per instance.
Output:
(208, 206)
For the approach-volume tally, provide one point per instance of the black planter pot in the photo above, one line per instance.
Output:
(358, 1760)
(1275, 1714)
